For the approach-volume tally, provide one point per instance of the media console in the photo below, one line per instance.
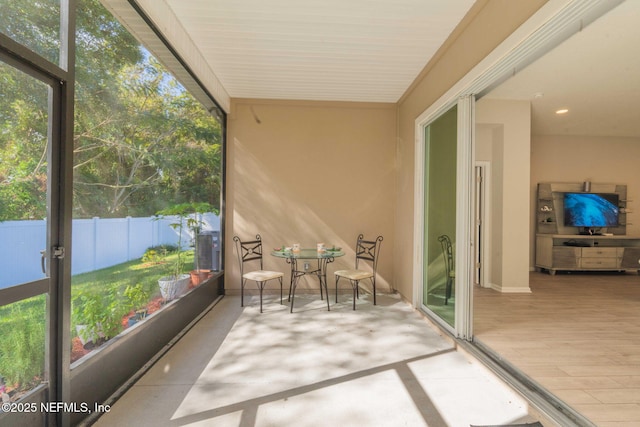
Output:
(571, 252)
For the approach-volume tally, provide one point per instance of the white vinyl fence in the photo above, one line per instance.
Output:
(97, 243)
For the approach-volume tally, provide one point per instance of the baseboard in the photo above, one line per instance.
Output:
(510, 289)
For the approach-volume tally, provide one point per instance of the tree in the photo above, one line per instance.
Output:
(156, 149)
(23, 146)
(141, 142)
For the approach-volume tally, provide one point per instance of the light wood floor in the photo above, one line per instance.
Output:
(577, 335)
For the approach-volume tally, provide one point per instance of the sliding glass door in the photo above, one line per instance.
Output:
(440, 153)
(444, 205)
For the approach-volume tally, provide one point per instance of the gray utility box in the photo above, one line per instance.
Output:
(209, 250)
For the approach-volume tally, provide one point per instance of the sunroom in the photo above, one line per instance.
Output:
(140, 137)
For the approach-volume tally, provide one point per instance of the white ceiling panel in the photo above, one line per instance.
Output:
(594, 74)
(344, 50)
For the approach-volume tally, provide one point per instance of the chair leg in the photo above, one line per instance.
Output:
(292, 293)
(280, 279)
(447, 291)
(261, 287)
(374, 292)
(327, 292)
(355, 292)
(337, 278)
(242, 293)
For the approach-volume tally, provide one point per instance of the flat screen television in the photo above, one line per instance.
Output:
(591, 210)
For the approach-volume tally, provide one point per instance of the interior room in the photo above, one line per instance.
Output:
(570, 331)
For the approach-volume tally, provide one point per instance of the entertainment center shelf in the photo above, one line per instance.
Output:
(564, 244)
(550, 206)
(571, 252)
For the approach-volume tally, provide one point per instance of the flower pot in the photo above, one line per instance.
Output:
(137, 316)
(170, 288)
(87, 336)
(199, 276)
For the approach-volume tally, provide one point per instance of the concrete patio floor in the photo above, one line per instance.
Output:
(381, 365)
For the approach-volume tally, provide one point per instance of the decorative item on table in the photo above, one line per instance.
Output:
(296, 248)
(321, 248)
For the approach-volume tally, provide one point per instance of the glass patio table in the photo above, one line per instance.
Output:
(319, 269)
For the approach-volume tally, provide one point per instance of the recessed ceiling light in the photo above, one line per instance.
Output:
(562, 111)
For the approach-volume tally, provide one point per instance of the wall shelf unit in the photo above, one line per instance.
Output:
(560, 247)
(550, 206)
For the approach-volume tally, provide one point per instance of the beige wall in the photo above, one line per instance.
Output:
(599, 159)
(490, 149)
(486, 26)
(506, 144)
(304, 171)
(308, 172)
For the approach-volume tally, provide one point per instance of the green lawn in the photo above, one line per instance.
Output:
(128, 273)
(98, 294)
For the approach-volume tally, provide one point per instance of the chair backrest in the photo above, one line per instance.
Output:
(368, 250)
(447, 253)
(248, 250)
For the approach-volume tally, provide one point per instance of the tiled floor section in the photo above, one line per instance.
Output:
(578, 335)
(377, 366)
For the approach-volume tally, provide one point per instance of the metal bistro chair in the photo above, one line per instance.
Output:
(450, 270)
(251, 251)
(366, 250)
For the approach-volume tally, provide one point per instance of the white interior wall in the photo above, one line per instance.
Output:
(505, 129)
(489, 141)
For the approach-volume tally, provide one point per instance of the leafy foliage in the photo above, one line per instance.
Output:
(141, 141)
(99, 312)
(157, 253)
(35, 24)
(22, 342)
(137, 295)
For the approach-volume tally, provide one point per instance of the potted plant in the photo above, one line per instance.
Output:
(137, 297)
(97, 316)
(176, 282)
(87, 309)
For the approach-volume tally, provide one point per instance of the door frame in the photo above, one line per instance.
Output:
(56, 285)
(554, 22)
(464, 208)
(482, 224)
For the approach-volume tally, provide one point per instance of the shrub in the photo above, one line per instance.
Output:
(22, 342)
(137, 296)
(100, 312)
(156, 254)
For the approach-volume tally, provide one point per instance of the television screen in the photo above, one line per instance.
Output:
(591, 209)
